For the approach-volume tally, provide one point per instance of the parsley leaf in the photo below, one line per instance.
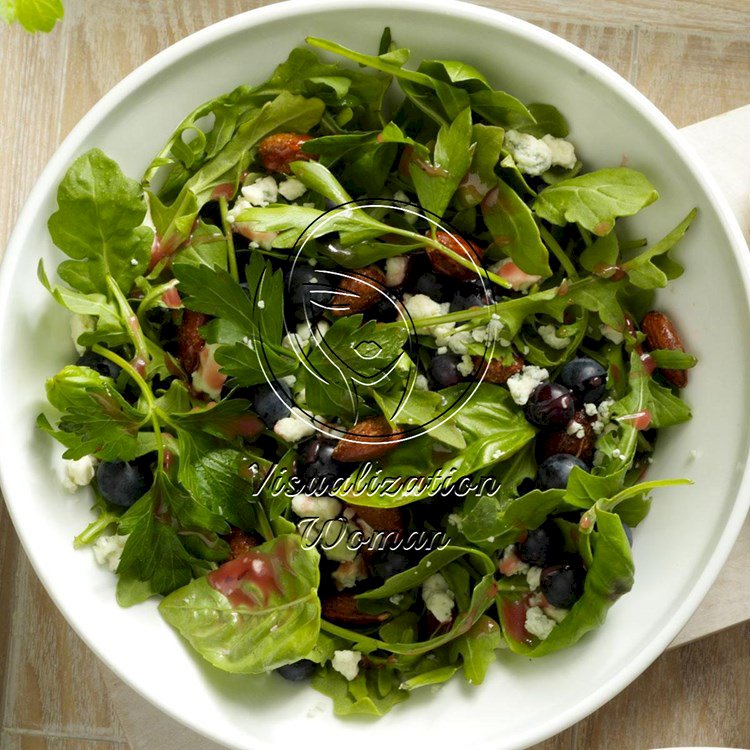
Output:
(98, 224)
(94, 412)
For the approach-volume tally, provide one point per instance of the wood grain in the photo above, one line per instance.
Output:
(690, 56)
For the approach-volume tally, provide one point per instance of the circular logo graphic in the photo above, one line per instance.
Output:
(357, 337)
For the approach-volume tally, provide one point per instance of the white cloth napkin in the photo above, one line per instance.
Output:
(723, 143)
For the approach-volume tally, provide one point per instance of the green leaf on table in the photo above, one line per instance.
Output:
(252, 614)
(33, 15)
(98, 225)
(596, 199)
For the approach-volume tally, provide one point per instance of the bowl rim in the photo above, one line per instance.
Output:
(449, 8)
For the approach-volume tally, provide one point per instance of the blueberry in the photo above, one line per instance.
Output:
(562, 585)
(554, 472)
(101, 364)
(124, 482)
(297, 671)
(272, 404)
(471, 294)
(585, 378)
(318, 465)
(308, 289)
(550, 405)
(384, 310)
(391, 563)
(541, 547)
(428, 283)
(444, 370)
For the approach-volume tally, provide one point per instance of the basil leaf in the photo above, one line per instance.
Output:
(98, 225)
(595, 199)
(275, 617)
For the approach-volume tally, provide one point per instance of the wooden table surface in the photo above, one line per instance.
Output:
(691, 57)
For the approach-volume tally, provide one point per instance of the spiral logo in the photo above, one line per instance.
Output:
(355, 337)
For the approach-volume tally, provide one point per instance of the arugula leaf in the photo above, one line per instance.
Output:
(430, 564)
(481, 177)
(595, 199)
(371, 693)
(286, 112)
(436, 182)
(420, 408)
(644, 395)
(514, 231)
(95, 417)
(98, 224)
(609, 576)
(108, 322)
(244, 622)
(654, 268)
(33, 15)
(477, 648)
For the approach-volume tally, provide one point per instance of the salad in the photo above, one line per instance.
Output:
(368, 375)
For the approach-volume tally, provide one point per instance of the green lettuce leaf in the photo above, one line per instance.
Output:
(271, 616)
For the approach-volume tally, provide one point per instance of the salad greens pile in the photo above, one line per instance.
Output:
(205, 371)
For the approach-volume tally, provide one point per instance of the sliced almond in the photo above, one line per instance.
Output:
(662, 334)
(358, 291)
(443, 263)
(341, 609)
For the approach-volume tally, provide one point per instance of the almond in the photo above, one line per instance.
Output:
(240, 542)
(189, 340)
(551, 443)
(370, 438)
(341, 609)
(495, 371)
(442, 263)
(358, 291)
(381, 519)
(279, 150)
(661, 334)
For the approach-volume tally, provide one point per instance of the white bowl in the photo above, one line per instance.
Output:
(678, 551)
